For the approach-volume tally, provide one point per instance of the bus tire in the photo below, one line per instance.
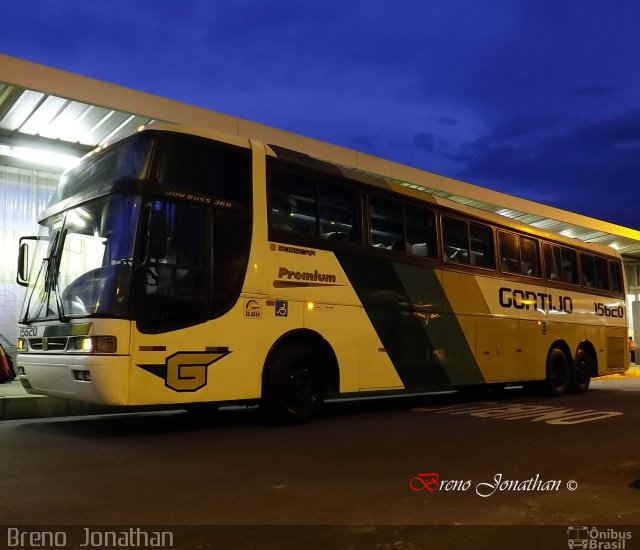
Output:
(581, 370)
(557, 380)
(293, 385)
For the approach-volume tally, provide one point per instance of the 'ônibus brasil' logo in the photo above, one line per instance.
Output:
(186, 371)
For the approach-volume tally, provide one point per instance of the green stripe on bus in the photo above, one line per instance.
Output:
(407, 308)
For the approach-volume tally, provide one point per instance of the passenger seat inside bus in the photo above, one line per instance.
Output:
(419, 249)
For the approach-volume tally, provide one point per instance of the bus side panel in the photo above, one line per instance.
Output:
(496, 341)
(405, 304)
(219, 360)
(617, 354)
(531, 354)
(358, 350)
(376, 369)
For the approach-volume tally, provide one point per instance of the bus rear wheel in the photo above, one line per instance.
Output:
(581, 371)
(293, 385)
(557, 380)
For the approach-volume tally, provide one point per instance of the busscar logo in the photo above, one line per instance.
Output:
(292, 278)
(186, 371)
(295, 250)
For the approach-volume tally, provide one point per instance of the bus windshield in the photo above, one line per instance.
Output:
(87, 261)
(125, 161)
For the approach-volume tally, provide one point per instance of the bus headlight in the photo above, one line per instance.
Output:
(22, 344)
(96, 344)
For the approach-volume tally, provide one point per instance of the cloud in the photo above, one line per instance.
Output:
(592, 167)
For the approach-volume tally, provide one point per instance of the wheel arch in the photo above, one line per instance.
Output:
(562, 346)
(318, 343)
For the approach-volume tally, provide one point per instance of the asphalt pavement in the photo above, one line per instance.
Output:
(16, 403)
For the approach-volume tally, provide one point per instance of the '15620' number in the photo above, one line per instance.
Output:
(603, 310)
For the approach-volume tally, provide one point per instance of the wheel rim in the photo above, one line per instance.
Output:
(301, 388)
(559, 375)
(582, 371)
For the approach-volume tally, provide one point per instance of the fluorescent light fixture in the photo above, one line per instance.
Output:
(40, 156)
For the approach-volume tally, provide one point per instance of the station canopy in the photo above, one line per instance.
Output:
(48, 117)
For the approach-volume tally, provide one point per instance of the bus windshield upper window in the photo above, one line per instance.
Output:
(205, 166)
(129, 160)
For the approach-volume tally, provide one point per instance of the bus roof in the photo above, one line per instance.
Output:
(413, 187)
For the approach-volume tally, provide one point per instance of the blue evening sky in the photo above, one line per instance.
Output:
(536, 98)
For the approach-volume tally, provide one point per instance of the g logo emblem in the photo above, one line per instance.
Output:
(187, 371)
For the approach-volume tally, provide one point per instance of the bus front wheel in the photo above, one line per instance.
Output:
(293, 385)
(557, 380)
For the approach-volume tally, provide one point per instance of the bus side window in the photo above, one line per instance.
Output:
(587, 270)
(455, 239)
(530, 257)
(420, 225)
(386, 225)
(616, 277)
(481, 240)
(569, 258)
(509, 252)
(338, 212)
(292, 204)
(552, 265)
(601, 273)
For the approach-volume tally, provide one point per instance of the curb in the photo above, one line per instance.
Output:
(21, 407)
(633, 372)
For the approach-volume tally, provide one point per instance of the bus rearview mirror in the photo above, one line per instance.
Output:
(24, 261)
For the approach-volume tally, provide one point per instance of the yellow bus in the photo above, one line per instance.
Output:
(182, 266)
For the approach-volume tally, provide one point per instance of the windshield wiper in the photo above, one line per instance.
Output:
(26, 320)
(48, 268)
(53, 274)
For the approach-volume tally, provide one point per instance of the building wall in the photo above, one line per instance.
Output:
(23, 195)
